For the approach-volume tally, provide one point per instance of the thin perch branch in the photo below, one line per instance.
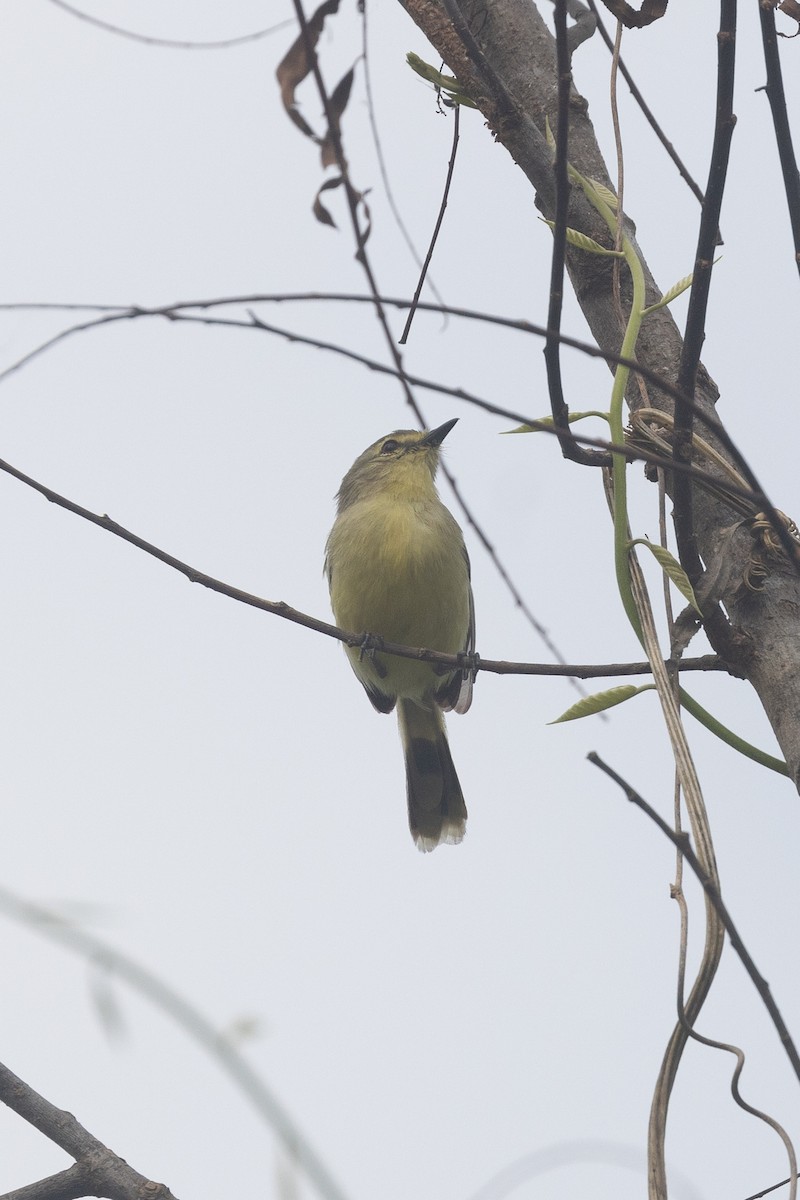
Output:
(280, 608)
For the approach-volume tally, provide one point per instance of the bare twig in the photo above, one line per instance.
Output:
(424, 270)
(279, 608)
(177, 311)
(646, 111)
(384, 172)
(620, 157)
(170, 43)
(570, 447)
(694, 333)
(772, 1188)
(754, 494)
(713, 1043)
(681, 842)
(780, 119)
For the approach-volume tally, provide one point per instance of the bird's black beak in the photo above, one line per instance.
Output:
(437, 436)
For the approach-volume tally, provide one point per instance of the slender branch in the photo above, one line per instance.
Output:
(384, 172)
(754, 494)
(646, 111)
(442, 207)
(61, 336)
(773, 1187)
(176, 312)
(570, 448)
(682, 843)
(132, 35)
(279, 608)
(694, 334)
(780, 119)
(712, 1043)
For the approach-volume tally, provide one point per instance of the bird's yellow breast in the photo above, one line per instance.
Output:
(398, 569)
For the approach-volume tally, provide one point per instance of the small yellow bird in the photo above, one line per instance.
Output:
(397, 567)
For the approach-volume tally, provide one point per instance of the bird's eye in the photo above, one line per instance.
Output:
(389, 446)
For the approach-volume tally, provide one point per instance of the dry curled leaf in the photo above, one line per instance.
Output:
(651, 10)
(323, 215)
(337, 105)
(297, 63)
(790, 9)
(319, 209)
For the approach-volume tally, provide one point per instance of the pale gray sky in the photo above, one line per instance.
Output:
(207, 787)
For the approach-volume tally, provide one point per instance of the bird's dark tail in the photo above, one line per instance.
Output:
(436, 809)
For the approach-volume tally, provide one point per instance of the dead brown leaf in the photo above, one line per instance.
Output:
(651, 10)
(360, 198)
(337, 105)
(319, 209)
(791, 9)
(297, 63)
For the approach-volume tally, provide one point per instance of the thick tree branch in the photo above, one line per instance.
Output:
(99, 1171)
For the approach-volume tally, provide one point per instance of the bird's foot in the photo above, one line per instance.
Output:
(469, 664)
(368, 644)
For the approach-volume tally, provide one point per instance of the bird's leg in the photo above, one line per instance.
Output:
(368, 644)
(469, 664)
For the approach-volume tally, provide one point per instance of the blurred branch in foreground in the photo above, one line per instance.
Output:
(50, 925)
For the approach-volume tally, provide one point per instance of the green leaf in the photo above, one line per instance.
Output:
(423, 69)
(674, 291)
(601, 701)
(584, 242)
(447, 83)
(670, 565)
(548, 133)
(596, 193)
(669, 296)
(548, 422)
(605, 194)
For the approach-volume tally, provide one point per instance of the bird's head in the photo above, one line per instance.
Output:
(400, 464)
